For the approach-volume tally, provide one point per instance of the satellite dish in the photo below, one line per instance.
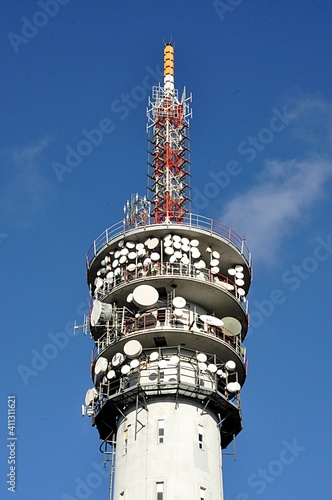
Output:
(212, 368)
(123, 259)
(90, 396)
(132, 255)
(130, 244)
(130, 297)
(241, 292)
(167, 237)
(115, 263)
(107, 259)
(179, 302)
(141, 252)
(109, 275)
(172, 258)
(176, 237)
(185, 241)
(162, 363)
(215, 254)
(202, 264)
(117, 359)
(178, 254)
(154, 356)
(233, 387)
(185, 248)
(201, 357)
(147, 261)
(239, 276)
(121, 243)
(111, 374)
(211, 320)
(131, 268)
(155, 256)
(117, 254)
(232, 325)
(195, 253)
(215, 270)
(178, 313)
(209, 249)
(174, 360)
(230, 365)
(134, 363)
(177, 245)
(132, 348)
(185, 260)
(239, 282)
(231, 271)
(221, 373)
(202, 366)
(98, 283)
(214, 262)
(169, 250)
(124, 251)
(229, 286)
(140, 246)
(101, 365)
(194, 243)
(117, 271)
(95, 314)
(167, 243)
(145, 296)
(125, 369)
(152, 243)
(239, 269)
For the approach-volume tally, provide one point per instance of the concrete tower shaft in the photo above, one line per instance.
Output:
(169, 313)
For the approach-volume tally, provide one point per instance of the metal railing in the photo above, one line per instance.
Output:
(189, 220)
(165, 319)
(174, 270)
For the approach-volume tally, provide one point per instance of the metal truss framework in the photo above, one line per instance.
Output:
(168, 129)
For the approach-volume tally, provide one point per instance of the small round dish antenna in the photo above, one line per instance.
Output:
(230, 365)
(232, 326)
(132, 348)
(145, 296)
(233, 387)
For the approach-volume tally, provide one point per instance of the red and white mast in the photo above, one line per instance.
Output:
(168, 124)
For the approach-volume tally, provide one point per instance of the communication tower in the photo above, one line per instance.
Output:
(169, 313)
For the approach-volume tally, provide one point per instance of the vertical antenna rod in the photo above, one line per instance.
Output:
(168, 124)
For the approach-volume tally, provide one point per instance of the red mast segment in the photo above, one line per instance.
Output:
(168, 123)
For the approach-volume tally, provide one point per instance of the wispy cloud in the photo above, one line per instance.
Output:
(25, 188)
(286, 189)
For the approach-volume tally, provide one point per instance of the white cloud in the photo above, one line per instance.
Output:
(287, 189)
(285, 192)
(25, 188)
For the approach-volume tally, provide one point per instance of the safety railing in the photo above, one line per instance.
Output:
(189, 220)
(173, 270)
(165, 319)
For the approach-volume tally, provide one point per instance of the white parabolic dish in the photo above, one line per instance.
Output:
(145, 295)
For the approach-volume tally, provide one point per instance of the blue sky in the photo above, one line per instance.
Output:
(260, 75)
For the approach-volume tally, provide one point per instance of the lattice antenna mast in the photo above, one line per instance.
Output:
(168, 129)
